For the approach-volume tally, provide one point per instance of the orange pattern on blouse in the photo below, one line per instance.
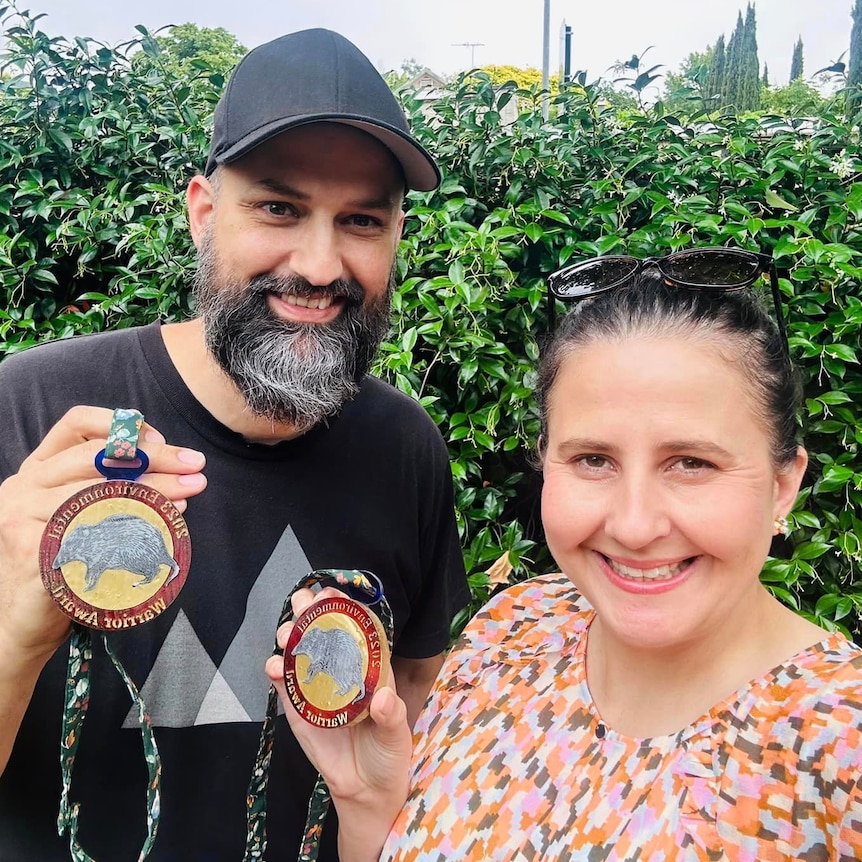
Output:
(513, 763)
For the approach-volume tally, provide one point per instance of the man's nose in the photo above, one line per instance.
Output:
(316, 257)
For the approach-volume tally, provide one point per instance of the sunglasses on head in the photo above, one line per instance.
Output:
(719, 269)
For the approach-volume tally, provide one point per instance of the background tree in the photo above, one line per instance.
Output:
(796, 63)
(854, 64)
(524, 78)
(397, 78)
(733, 64)
(748, 97)
(796, 99)
(764, 81)
(688, 90)
(717, 69)
(186, 50)
(621, 102)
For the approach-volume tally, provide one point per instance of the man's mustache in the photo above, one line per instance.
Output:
(298, 286)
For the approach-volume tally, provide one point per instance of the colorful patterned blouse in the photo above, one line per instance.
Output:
(513, 763)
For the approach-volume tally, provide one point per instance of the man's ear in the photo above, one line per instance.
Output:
(200, 205)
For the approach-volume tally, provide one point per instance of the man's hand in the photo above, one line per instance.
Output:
(31, 625)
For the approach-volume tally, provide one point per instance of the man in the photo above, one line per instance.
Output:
(309, 464)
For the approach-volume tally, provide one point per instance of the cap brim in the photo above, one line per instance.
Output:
(419, 168)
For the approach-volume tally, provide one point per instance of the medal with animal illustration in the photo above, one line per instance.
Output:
(336, 656)
(116, 554)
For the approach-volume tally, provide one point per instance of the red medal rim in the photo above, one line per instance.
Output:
(375, 644)
(57, 586)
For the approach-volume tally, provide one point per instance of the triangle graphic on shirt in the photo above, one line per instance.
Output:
(186, 689)
(242, 665)
(173, 698)
(220, 705)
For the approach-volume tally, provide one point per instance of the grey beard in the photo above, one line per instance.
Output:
(289, 373)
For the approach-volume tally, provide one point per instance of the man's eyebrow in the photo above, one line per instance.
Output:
(383, 201)
(279, 188)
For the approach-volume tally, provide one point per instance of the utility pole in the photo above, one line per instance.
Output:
(472, 46)
(546, 59)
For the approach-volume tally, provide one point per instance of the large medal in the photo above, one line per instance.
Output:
(116, 554)
(113, 556)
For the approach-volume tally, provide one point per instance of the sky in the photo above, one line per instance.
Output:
(495, 31)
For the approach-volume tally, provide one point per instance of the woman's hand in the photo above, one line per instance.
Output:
(366, 765)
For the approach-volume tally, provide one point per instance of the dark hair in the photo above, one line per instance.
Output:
(648, 306)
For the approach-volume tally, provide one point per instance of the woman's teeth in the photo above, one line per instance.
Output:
(660, 573)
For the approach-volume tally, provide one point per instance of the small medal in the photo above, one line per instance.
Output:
(337, 654)
(116, 554)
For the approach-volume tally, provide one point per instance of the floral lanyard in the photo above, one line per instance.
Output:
(113, 556)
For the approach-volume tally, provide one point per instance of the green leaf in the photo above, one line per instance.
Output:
(775, 201)
(810, 550)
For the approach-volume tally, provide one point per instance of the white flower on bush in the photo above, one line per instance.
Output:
(842, 166)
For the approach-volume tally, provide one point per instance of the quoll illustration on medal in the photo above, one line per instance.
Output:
(119, 542)
(335, 653)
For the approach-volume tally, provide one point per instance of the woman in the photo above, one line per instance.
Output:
(654, 701)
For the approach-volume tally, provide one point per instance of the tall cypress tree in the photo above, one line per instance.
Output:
(764, 81)
(715, 81)
(749, 90)
(733, 64)
(854, 63)
(796, 64)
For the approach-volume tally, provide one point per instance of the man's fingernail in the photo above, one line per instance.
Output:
(190, 456)
(192, 480)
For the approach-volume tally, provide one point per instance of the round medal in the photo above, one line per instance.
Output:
(335, 658)
(115, 555)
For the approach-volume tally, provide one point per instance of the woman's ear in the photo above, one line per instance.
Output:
(788, 482)
(541, 448)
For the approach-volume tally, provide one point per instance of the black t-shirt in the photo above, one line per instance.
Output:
(371, 490)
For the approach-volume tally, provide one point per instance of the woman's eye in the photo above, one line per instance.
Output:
(593, 462)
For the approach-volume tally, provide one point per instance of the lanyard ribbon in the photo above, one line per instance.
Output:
(121, 445)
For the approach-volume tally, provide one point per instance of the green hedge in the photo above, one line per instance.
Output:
(97, 152)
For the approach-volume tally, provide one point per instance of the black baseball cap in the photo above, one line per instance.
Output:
(309, 77)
